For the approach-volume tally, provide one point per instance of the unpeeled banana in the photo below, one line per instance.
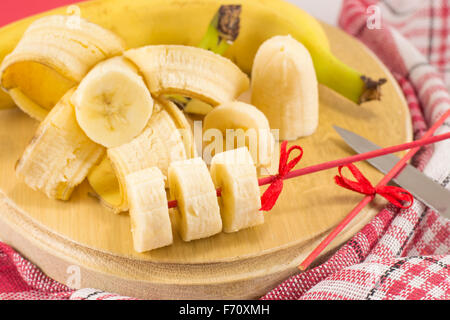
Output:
(52, 56)
(235, 174)
(189, 71)
(141, 26)
(241, 124)
(191, 185)
(285, 88)
(149, 213)
(112, 103)
(60, 155)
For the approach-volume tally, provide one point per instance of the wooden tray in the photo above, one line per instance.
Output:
(81, 235)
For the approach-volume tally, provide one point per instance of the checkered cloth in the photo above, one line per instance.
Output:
(400, 254)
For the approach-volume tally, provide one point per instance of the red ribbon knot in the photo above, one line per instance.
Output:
(270, 196)
(392, 194)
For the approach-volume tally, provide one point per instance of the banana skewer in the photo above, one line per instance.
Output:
(194, 195)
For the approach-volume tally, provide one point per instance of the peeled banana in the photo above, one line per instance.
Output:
(241, 124)
(157, 146)
(189, 71)
(235, 174)
(60, 155)
(285, 88)
(191, 185)
(112, 103)
(51, 57)
(149, 213)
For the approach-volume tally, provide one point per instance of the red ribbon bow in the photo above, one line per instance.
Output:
(392, 194)
(270, 196)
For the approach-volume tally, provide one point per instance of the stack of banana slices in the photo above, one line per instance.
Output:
(105, 117)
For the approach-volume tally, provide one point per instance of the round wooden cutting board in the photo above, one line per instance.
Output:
(80, 239)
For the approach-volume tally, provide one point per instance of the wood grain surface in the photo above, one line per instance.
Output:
(56, 234)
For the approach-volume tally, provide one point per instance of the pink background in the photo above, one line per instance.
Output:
(12, 10)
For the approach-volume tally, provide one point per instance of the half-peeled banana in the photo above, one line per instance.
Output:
(52, 56)
(189, 71)
(60, 155)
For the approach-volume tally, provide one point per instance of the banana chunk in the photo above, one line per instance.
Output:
(52, 56)
(60, 155)
(149, 213)
(234, 172)
(159, 144)
(285, 87)
(191, 185)
(190, 71)
(242, 124)
(112, 103)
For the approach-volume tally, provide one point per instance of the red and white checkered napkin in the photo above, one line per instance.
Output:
(400, 254)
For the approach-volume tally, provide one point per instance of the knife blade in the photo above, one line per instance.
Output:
(421, 186)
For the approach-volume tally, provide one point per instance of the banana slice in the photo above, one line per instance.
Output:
(112, 103)
(242, 124)
(52, 57)
(234, 172)
(191, 185)
(149, 212)
(60, 155)
(285, 87)
(189, 71)
(158, 145)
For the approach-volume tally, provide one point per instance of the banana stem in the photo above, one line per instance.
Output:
(223, 29)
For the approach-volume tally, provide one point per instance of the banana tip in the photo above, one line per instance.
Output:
(372, 89)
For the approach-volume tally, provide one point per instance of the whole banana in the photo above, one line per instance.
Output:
(144, 22)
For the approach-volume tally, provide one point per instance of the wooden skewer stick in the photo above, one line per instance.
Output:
(427, 139)
(344, 161)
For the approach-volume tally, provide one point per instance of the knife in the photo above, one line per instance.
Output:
(422, 187)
